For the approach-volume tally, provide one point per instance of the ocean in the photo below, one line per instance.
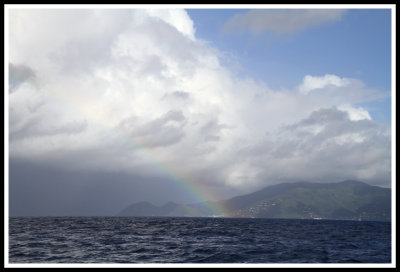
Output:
(142, 240)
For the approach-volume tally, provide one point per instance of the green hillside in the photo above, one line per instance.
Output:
(347, 200)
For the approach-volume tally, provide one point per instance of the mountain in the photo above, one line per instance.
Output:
(347, 200)
(147, 209)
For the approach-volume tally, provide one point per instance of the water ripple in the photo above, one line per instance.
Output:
(196, 240)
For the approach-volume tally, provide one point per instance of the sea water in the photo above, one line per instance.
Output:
(196, 240)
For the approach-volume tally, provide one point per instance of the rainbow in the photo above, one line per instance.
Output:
(172, 173)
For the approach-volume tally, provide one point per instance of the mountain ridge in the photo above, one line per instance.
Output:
(345, 200)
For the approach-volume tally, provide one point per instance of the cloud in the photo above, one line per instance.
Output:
(311, 83)
(163, 131)
(177, 95)
(356, 114)
(325, 146)
(17, 75)
(40, 129)
(143, 95)
(281, 21)
(177, 18)
(211, 130)
(343, 92)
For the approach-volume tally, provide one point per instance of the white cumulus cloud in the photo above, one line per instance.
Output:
(311, 83)
(126, 90)
(356, 113)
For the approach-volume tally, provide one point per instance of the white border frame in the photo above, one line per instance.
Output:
(200, 6)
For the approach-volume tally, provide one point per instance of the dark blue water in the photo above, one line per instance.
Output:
(196, 240)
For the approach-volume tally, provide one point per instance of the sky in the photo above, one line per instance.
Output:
(110, 106)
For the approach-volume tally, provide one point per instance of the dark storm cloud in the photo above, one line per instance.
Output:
(41, 189)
